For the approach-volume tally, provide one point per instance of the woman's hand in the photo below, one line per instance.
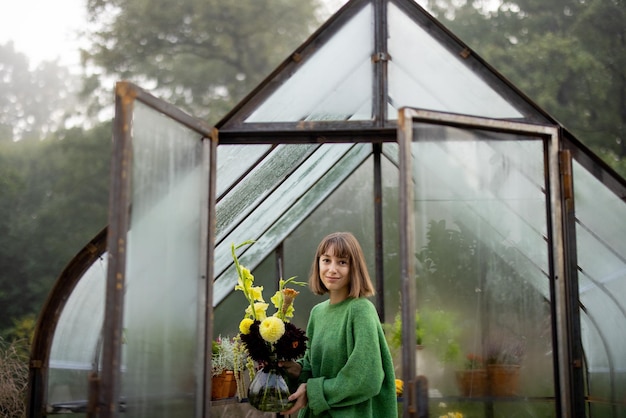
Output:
(301, 400)
(292, 368)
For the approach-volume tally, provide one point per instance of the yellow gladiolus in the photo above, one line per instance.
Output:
(259, 311)
(257, 293)
(244, 281)
(245, 272)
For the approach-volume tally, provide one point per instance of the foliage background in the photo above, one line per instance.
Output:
(568, 56)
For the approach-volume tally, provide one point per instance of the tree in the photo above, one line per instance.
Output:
(55, 195)
(201, 55)
(11, 266)
(566, 55)
(33, 103)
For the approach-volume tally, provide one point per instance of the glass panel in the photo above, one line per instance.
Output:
(424, 74)
(161, 365)
(482, 288)
(233, 161)
(335, 83)
(76, 342)
(266, 175)
(286, 206)
(601, 252)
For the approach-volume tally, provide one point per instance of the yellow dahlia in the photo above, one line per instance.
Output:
(399, 387)
(271, 329)
(244, 325)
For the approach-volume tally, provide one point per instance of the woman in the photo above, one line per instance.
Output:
(347, 369)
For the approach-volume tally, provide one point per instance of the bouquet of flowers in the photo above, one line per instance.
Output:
(268, 339)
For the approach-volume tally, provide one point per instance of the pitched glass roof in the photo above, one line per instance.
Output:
(347, 67)
(335, 83)
(423, 73)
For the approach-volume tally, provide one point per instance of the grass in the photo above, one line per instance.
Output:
(13, 378)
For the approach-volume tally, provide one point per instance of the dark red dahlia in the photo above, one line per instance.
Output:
(259, 349)
(292, 344)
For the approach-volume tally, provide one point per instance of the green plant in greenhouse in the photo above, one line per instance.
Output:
(436, 329)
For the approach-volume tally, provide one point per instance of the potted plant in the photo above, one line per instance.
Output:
(436, 345)
(223, 368)
(504, 359)
(472, 381)
(435, 329)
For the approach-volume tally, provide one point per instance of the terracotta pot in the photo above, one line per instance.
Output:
(223, 385)
(232, 385)
(503, 379)
(472, 383)
(217, 385)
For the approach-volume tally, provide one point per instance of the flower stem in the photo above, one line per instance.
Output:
(238, 267)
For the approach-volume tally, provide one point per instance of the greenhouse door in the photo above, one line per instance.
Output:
(159, 279)
(481, 243)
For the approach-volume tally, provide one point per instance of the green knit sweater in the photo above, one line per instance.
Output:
(347, 365)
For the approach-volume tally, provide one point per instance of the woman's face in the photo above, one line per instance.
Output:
(335, 274)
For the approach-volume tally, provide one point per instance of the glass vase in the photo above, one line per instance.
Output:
(268, 391)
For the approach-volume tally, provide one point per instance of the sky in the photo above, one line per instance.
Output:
(43, 29)
(47, 29)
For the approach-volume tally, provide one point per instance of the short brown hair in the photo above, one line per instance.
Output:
(344, 245)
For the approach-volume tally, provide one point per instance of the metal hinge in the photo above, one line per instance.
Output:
(381, 56)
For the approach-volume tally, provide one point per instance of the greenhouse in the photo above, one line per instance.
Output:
(492, 234)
